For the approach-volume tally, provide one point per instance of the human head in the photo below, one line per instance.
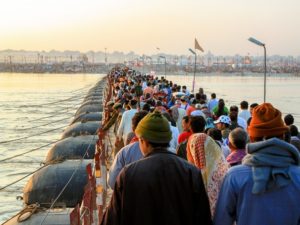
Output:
(133, 103)
(266, 123)
(244, 105)
(146, 107)
(233, 113)
(153, 132)
(289, 119)
(213, 95)
(185, 123)
(234, 108)
(138, 116)
(215, 134)
(198, 106)
(238, 138)
(201, 91)
(197, 124)
(252, 106)
(223, 122)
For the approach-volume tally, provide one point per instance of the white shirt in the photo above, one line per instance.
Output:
(245, 114)
(125, 124)
(242, 123)
(181, 114)
(174, 141)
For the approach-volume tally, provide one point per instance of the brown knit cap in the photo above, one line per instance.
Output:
(266, 122)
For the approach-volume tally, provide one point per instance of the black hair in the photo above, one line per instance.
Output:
(186, 119)
(221, 106)
(244, 105)
(215, 134)
(146, 107)
(234, 108)
(213, 95)
(289, 119)
(253, 105)
(138, 116)
(197, 124)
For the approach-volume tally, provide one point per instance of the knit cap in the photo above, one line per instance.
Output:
(266, 122)
(154, 128)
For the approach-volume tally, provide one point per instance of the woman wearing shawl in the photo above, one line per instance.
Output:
(204, 153)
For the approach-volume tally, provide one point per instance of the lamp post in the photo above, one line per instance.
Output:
(163, 57)
(148, 57)
(143, 58)
(193, 52)
(254, 41)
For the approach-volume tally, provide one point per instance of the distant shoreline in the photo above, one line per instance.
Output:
(160, 69)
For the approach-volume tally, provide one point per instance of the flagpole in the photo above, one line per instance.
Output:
(197, 46)
(194, 52)
(195, 66)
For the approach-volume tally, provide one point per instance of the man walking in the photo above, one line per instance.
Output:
(160, 189)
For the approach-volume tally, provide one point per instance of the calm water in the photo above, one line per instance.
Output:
(31, 100)
(24, 103)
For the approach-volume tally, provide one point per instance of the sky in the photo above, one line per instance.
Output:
(220, 26)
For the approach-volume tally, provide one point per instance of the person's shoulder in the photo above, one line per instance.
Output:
(237, 171)
(295, 170)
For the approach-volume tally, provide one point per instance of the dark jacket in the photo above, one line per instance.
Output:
(161, 189)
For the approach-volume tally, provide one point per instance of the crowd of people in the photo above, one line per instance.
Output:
(188, 158)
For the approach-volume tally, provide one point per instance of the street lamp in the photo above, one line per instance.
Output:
(163, 57)
(254, 41)
(193, 52)
(148, 57)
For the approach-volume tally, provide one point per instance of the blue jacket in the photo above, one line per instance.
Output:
(237, 202)
(128, 154)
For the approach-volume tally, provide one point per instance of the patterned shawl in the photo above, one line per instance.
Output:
(205, 153)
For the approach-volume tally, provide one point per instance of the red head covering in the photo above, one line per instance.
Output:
(266, 122)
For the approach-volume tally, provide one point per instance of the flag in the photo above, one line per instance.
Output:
(197, 46)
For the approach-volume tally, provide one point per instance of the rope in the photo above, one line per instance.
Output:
(16, 181)
(59, 101)
(17, 139)
(44, 124)
(24, 153)
(68, 182)
(57, 113)
(22, 178)
(28, 211)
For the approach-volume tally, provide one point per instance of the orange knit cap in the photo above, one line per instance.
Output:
(266, 122)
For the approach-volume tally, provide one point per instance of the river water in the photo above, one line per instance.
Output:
(49, 101)
(43, 101)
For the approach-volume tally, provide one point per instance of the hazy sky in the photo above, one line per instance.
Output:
(221, 26)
